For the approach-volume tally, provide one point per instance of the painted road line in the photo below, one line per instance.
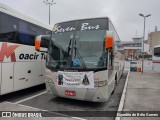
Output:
(121, 104)
(30, 97)
(26, 106)
(78, 118)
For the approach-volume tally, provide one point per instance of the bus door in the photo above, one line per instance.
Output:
(7, 77)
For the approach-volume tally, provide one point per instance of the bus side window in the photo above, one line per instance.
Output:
(40, 31)
(47, 32)
(44, 43)
(27, 37)
(157, 52)
(8, 29)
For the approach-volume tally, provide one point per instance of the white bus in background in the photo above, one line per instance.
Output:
(156, 58)
(80, 60)
(20, 65)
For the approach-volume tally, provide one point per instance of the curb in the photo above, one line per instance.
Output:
(121, 104)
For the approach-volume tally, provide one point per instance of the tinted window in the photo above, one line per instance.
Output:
(8, 28)
(90, 47)
(15, 30)
(47, 32)
(27, 33)
(44, 42)
(40, 31)
(26, 39)
(157, 52)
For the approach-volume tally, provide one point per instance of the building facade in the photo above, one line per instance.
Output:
(153, 39)
(133, 49)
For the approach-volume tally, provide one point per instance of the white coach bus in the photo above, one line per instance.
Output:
(20, 65)
(80, 60)
(156, 58)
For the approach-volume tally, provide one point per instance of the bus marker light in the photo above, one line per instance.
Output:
(109, 40)
(37, 44)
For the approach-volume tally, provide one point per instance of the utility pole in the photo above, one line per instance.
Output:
(49, 3)
(144, 16)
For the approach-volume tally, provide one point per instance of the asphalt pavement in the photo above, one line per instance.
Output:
(22, 94)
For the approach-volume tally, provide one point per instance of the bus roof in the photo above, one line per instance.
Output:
(20, 15)
(83, 19)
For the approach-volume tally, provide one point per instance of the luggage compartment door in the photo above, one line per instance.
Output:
(7, 78)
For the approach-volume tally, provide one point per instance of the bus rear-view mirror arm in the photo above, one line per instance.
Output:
(41, 43)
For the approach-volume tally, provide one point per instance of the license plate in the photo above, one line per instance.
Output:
(70, 93)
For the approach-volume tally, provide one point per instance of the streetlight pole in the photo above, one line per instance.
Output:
(144, 16)
(49, 3)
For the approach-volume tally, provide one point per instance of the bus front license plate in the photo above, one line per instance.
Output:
(70, 93)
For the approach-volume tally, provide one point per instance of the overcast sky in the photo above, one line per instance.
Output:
(123, 13)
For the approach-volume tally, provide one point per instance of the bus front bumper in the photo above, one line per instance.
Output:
(97, 94)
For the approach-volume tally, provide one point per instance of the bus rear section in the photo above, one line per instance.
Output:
(156, 58)
(80, 60)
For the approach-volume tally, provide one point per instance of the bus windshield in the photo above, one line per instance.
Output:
(89, 46)
(60, 49)
(79, 45)
(85, 50)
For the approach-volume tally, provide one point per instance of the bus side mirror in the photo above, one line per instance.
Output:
(41, 43)
(109, 40)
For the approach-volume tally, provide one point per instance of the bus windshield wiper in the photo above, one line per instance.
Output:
(69, 48)
(79, 56)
